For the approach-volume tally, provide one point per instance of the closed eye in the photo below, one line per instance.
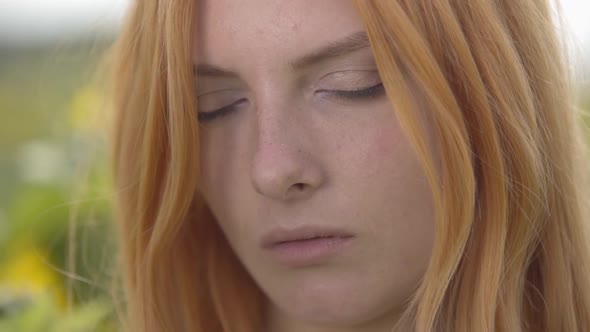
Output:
(207, 116)
(373, 91)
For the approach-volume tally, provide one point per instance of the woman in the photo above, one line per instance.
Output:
(348, 166)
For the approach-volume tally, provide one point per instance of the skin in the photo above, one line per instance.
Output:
(293, 153)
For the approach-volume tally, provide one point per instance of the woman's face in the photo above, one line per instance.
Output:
(308, 171)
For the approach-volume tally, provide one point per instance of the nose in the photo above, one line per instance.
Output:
(284, 166)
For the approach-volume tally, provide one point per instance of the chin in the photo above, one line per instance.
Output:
(335, 302)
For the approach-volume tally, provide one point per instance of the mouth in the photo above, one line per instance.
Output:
(305, 246)
(310, 240)
(280, 236)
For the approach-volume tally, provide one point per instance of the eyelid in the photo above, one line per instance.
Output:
(213, 100)
(206, 116)
(351, 70)
(352, 79)
(199, 95)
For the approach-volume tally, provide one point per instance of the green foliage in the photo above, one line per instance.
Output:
(56, 237)
(42, 315)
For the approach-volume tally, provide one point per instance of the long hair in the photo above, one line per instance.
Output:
(507, 172)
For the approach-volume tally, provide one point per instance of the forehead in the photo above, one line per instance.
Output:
(267, 30)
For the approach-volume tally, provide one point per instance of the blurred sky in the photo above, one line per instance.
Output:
(25, 22)
(32, 21)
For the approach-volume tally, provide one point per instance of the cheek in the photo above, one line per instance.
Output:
(387, 144)
(383, 152)
(225, 183)
(394, 191)
(217, 175)
(399, 199)
(211, 168)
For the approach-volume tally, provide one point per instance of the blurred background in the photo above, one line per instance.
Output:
(54, 177)
(54, 181)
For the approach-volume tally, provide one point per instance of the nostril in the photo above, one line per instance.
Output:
(299, 186)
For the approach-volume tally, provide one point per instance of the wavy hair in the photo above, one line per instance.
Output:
(509, 179)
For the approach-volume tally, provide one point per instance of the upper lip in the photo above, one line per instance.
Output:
(305, 232)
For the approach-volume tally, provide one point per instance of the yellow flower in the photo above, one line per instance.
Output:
(29, 273)
(88, 110)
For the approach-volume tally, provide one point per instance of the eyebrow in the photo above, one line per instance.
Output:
(353, 42)
(346, 45)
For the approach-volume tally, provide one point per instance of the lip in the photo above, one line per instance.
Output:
(306, 245)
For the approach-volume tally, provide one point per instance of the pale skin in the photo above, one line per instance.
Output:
(298, 148)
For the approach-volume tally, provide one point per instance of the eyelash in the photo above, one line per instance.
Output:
(365, 93)
(348, 95)
(218, 113)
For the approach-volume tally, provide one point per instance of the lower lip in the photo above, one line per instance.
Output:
(309, 252)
